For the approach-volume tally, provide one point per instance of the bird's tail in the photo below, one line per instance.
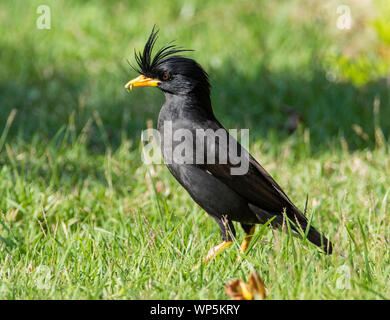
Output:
(320, 240)
(314, 236)
(299, 223)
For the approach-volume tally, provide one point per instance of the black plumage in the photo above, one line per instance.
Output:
(251, 198)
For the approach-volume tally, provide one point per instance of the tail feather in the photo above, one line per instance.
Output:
(320, 240)
(313, 235)
(300, 222)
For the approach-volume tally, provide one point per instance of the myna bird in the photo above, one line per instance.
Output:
(250, 198)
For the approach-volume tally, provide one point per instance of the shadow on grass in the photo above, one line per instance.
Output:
(330, 110)
(49, 97)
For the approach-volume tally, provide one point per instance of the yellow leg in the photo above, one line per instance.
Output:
(247, 240)
(212, 253)
(215, 250)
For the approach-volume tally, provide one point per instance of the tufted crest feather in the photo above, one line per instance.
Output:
(147, 64)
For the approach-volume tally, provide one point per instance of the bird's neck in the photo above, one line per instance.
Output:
(193, 103)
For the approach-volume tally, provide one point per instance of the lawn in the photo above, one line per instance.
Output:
(82, 217)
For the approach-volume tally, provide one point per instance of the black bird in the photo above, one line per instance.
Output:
(250, 198)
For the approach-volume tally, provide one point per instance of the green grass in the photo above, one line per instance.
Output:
(83, 218)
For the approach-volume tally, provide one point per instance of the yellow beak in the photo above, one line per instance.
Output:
(142, 81)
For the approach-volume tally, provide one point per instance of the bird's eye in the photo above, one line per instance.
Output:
(165, 76)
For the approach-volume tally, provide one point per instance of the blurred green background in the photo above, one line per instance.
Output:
(260, 56)
(76, 199)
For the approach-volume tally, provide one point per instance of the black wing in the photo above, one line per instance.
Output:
(256, 185)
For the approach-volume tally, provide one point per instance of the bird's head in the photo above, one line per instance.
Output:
(170, 72)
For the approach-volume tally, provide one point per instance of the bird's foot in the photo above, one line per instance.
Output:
(213, 252)
(245, 243)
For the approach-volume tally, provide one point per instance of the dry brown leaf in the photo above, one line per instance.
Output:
(257, 286)
(254, 290)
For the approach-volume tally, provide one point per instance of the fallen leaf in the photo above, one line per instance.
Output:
(254, 290)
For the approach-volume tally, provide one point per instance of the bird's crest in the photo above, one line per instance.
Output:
(147, 64)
